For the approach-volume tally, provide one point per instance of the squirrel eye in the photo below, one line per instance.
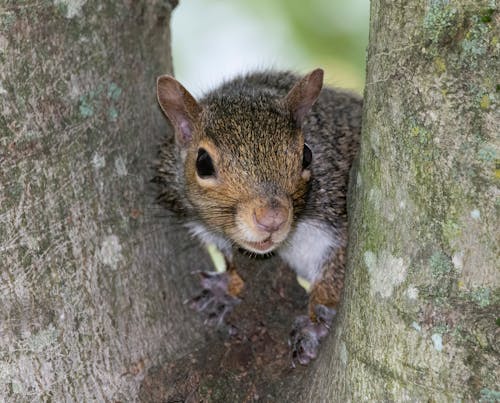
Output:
(204, 164)
(306, 157)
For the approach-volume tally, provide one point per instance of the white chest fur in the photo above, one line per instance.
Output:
(309, 246)
(207, 237)
(305, 251)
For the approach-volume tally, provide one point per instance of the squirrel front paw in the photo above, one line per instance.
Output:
(306, 334)
(217, 298)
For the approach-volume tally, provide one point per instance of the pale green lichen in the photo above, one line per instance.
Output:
(476, 41)
(489, 396)
(475, 214)
(42, 340)
(437, 341)
(423, 136)
(440, 264)
(416, 326)
(94, 100)
(113, 113)
(114, 91)
(86, 108)
(458, 260)
(343, 354)
(121, 166)
(7, 19)
(89, 102)
(440, 22)
(442, 281)
(386, 272)
(111, 251)
(412, 292)
(98, 161)
(441, 328)
(71, 8)
(481, 296)
(487, 153)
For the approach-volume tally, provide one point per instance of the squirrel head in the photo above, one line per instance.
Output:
(246, 166)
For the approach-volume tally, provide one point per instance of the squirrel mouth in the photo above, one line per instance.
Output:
(261, 247)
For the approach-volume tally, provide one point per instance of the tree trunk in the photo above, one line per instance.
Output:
(88, 294)
(419, 320)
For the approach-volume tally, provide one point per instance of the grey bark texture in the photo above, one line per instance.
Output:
(87, 297)
(420, 315)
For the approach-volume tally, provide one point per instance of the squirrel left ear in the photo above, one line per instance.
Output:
(180, 107)
(303, 95)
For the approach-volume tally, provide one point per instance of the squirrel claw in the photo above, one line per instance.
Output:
(304, 340)
(306, 335)
(214, 301)
(324, 315)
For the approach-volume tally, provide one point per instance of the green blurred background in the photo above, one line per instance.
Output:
(214, 40)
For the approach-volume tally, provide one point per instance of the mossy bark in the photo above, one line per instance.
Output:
(88, 294)
(419, 320)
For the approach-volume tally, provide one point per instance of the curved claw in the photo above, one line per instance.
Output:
(324, 314)
(214, 301)
(306, 335)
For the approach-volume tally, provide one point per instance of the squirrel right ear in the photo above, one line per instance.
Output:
(304, 94)
(180, 107)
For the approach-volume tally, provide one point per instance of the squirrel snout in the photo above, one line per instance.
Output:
(270, 218)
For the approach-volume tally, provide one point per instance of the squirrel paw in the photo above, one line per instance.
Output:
(214, 301)
(306, 335)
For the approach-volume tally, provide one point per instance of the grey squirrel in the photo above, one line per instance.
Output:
(262, 163)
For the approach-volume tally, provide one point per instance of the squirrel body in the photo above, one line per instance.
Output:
(262, 163)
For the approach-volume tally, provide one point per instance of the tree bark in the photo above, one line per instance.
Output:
(419, 320)
(90, 288)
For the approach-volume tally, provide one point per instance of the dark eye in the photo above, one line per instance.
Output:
(204, 165)
(307, 157)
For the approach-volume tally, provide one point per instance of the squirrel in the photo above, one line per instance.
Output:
(262, 163)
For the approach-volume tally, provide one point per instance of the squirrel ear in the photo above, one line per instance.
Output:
(304, 94)
(180, 107)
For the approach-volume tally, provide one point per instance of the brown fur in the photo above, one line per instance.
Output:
(328, 290)
(236, 283)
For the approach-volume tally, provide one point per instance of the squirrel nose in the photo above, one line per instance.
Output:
(270, 219)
